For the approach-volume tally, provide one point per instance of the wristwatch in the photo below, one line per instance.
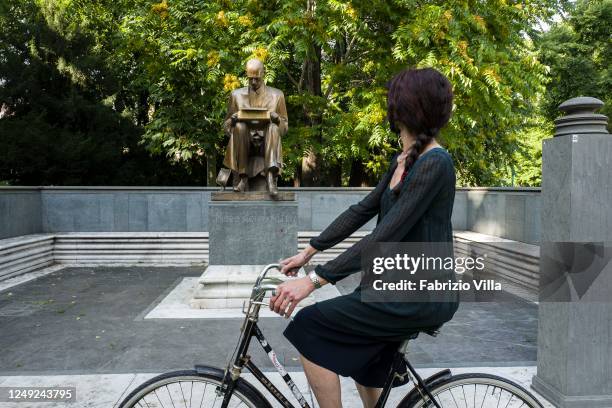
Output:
(314, 278)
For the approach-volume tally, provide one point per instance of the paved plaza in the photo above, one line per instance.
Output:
(98, 325)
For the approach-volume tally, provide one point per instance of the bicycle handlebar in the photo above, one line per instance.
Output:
(264, 271)
(264, 284)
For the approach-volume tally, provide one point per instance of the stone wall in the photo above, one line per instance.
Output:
(509, 213)
(512, 213)
(20, 211)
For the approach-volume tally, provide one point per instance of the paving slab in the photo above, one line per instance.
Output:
(109, 390)
(85, 320)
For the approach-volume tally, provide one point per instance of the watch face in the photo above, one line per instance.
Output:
(315, 279)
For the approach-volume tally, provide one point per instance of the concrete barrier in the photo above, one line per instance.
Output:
(512, 213)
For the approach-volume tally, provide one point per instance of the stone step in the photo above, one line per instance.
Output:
(27, 265)
(514, 262)
(19, 256)
(228, 286)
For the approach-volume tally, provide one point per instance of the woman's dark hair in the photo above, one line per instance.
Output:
(421, 99)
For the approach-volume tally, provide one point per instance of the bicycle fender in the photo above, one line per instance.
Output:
(430, 381)
(204, 369)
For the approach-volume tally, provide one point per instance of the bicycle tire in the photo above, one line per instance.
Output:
(243, 391)
(514, 392)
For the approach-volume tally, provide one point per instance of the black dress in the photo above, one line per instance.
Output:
(355, 338)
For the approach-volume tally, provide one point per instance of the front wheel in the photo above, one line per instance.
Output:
(191, 388)
(474, 391)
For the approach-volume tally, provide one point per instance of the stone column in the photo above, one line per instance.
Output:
(246, 232)
(575, 339)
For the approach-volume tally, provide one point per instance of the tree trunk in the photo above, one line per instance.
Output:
(311, 163)
(142, 116)
(211, 170)
(333, 175)
(358, 177)
(297, 178)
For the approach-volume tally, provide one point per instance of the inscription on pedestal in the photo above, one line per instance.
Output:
(252, 232)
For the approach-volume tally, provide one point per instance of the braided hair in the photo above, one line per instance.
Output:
(422, 100)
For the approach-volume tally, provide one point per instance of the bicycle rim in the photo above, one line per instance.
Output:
(188, 391)
(479, 391)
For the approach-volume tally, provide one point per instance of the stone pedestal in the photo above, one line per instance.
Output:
(251, 228)
(246, 232)
(575, 338)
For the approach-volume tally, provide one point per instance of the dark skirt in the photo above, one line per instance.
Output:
(366, 360)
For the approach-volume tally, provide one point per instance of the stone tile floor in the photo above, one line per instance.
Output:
(89, 321)
(108, 390)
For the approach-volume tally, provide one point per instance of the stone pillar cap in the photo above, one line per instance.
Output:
(580, 117)
(581, 104)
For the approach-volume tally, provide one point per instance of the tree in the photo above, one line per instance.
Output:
(578, 52)
(333, 59)
(58, 124)
(169, 67)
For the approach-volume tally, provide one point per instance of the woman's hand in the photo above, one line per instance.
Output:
(291, 265)
(289, 294)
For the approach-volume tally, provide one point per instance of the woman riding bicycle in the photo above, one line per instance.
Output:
(414, 201)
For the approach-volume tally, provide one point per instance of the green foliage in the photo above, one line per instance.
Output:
(189, 55)
(95, 78)
(579, 55)
(56, 91)
(526, 168)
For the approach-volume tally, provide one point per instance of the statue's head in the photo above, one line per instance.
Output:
(255, 73)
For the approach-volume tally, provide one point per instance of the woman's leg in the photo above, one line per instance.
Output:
(368, 395)
(324, 383)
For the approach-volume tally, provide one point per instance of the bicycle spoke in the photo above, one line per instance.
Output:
(191, 394)
(216, 396)
(471, 391)
(162, 404)
(508, 403)
(203, 394)
(169, 395)
(184, 399)
(450, 391)
(484, 397)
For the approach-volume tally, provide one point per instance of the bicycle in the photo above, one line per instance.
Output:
(228, 389)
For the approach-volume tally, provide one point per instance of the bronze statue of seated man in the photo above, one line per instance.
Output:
(255, 122)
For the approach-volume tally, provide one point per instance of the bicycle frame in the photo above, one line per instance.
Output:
(242, 360)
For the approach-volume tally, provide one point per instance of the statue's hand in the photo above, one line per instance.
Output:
(234, 118)
(274, 117)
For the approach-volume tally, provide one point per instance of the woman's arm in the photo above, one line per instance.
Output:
(417, 194)
(353, 217)
(343, 226)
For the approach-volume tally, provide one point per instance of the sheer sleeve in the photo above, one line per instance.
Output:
(353, 217)
(422, 185)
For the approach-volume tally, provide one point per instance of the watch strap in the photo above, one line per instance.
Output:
(314, 278)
